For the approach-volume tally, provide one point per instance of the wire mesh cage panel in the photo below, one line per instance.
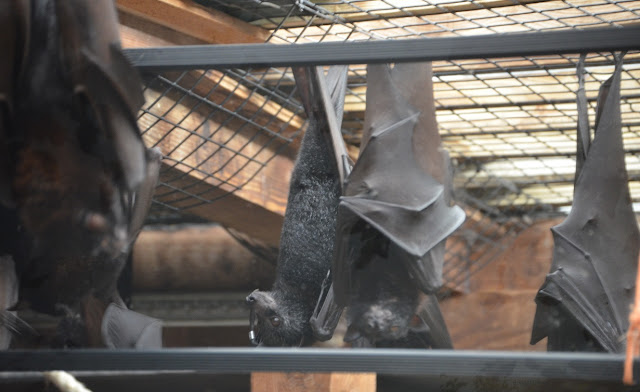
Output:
(508, 123)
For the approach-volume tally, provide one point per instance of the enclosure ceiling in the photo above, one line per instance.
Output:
(515, 116)
(509, 123)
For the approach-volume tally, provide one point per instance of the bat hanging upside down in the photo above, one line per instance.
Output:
(75, 177)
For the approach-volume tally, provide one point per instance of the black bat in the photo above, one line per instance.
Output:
(280, 317)
(585, 300)
(396, 214)
(75, 173)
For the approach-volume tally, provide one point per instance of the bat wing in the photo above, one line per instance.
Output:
(323, 98)
(124, 328)
(143, 195)
(102, 74)
(399, 185)
(436, 335)
(596, 248)
(14, 35)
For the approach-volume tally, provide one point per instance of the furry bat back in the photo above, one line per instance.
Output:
(306, 242)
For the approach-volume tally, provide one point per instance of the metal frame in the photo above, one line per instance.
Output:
(459, 363)
(385, 51)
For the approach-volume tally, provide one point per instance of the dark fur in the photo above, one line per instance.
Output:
(385, 298)
(306, 245)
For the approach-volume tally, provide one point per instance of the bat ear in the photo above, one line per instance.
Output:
(124, 328)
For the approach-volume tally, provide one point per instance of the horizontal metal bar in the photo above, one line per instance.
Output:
(578, 366)
(386, 51)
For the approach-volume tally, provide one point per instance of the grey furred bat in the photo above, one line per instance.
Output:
(396, 214)
(308, 234)
(74, 174)
(585, 300)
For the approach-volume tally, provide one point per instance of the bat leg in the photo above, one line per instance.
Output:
(326, 314)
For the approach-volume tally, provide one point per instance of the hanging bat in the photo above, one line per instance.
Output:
(280, 317)
(584, 302)
(73, 162)
(395, 214)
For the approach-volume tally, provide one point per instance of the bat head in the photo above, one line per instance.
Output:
(279, 322)
(381, 320)
(384, 299)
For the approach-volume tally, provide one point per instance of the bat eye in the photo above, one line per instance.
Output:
(275, 321)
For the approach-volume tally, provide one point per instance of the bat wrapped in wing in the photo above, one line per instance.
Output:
(281, 316)
(584, 302)
(74, 170)
(393, 219)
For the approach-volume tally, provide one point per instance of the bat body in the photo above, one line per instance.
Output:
(75, 174)
(395, 215)
(307, 239)
(306, 246)
(584, 302)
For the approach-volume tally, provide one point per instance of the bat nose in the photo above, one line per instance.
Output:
(251, 299)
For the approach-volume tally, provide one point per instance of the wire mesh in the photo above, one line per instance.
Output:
(509, 123)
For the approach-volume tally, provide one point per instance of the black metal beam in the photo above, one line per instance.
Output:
(394, 51)
(568, 366)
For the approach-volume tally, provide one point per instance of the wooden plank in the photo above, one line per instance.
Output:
(524, 265)
(312, 382)
(137, 32)
(197, 21)
(353, 382)
(492, 320)
(498, 312)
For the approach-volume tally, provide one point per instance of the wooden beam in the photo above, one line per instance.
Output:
(196, 258)
(498, 312)
(524, 265)
(194, 20)
(312, 382)
(492, 320)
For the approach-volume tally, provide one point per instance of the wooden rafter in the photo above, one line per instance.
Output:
(194, 20)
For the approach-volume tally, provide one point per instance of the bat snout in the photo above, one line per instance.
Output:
(260, 301)
(251, 299)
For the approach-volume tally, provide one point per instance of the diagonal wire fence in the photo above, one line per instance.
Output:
(508, 123)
